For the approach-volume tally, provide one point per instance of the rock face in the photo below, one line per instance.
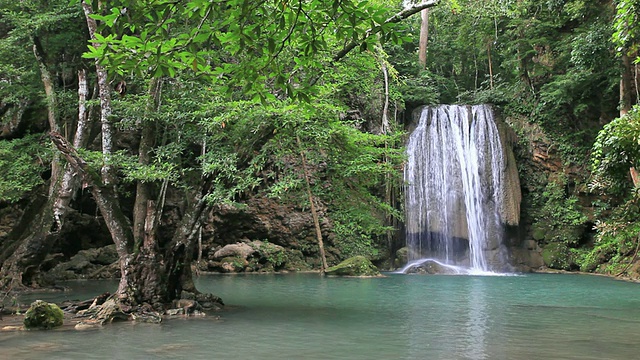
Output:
(262, 220)
(355, 266)
(43, 315)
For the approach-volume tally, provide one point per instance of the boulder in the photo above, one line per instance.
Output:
(402, 255)
(239, 250)
(43, 315)
(355, 266)
(432, 267)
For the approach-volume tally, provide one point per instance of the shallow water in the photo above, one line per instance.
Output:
(305, 316)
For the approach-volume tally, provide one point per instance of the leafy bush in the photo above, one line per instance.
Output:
(616, 149)
(616, 239)
(561, 218)
(21, 163)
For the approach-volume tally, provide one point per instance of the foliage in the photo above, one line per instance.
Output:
(238, 44)
(345, 164)
(22, 161)
(616, 239)
(560, 219)
(616, 149)
(627, 30)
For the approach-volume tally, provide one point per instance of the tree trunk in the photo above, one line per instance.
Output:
(424, 38)
(105, 101)
(490, 65)
(143, 189)
(22, 257)
(626, 92)
(384, 130)
(52, 104)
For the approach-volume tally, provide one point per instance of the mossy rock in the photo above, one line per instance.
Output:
(558, 256)
(355, 266)
(43, 315)
(402, 256)
(538, 233)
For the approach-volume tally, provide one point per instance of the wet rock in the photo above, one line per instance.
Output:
(209, 301)
(432, 267)
(11, 328)
(87, 326)
(355, 266)
(43, 315)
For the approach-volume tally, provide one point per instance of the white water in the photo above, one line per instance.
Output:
(453, 194)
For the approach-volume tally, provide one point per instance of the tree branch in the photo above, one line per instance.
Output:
(394, 19)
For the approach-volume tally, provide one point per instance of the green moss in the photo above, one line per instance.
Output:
(558, 256)
(355, 266)
(43, 315)
(538, 233)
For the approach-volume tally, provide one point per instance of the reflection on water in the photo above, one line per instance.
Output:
(477, 322)
(306, 316)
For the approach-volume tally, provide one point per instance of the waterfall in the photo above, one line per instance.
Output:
(453, 178)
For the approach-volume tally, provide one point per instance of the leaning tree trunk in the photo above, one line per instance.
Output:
(22, 256)
(314, 213)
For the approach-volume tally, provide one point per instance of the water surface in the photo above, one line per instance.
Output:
(306, 316)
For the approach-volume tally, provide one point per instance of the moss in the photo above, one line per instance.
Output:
(558, 256)
(538, 233)
(355, 266)
(402, 256)
(43, 315)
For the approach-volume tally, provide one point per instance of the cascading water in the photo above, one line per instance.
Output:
(454, 175)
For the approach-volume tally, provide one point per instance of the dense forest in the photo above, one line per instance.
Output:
(165, 130)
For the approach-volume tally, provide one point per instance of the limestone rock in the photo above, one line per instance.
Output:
(355, 266)
(43, 315)
(240, 250)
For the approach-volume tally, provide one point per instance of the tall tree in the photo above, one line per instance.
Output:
(225, 46)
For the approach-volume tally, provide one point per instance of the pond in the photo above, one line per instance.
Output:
(306, 316)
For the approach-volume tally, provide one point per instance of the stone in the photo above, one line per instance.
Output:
(240, 250)
(530, 244)
(11, 328)
(106, 255)
(432, 267)
(87, 326)
(402, 255)
(538, 233)
(356, 266)
(43, 315)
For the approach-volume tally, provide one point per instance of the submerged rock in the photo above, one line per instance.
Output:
(43, 315)
(355, 266)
